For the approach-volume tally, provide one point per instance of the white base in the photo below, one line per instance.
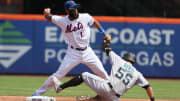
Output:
(40, 98)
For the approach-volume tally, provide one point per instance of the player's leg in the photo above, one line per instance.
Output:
(94, 63)
(45, 87)
(59, 86)
(100, 86)
(75, 81)
(90, 79)
(66, 65)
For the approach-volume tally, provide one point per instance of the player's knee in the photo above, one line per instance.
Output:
(80, 78)
(84, 74)
(146, 86)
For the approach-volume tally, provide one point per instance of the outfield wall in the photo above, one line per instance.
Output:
(31, 45)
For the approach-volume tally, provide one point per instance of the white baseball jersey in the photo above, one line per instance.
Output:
(76, 33)
(123, 77)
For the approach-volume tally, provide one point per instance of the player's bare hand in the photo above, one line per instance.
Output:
(47, 11)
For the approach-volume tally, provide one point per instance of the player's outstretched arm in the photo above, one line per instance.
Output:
(47, 14)
(150, 93)
(101, 29)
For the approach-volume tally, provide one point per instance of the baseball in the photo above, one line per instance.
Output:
(47, 10)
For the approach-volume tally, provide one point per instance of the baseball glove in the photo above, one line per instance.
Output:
(105, 46)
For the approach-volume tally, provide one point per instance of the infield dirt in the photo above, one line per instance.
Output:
(23, 98)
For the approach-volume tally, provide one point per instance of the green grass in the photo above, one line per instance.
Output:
(25, 86)
(162, 90)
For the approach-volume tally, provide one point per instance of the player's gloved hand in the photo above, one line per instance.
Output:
(105, 46)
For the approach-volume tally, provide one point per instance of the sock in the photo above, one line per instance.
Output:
(73, 82)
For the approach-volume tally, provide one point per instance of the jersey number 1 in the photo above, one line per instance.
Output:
(125, 77)
(81, 34)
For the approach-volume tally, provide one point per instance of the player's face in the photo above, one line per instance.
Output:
(73, 13)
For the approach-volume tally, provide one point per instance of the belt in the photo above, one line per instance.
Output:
(113, 89)
(79, 49)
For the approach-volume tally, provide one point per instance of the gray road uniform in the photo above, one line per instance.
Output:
(123, 77)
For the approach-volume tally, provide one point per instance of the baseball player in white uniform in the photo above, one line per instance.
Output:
(123, 77)
(76, 32)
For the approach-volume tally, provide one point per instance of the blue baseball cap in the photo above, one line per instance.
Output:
(70, 4)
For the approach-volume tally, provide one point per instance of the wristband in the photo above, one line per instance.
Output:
(101, 29)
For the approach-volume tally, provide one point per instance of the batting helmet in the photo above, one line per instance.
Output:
(130, 57)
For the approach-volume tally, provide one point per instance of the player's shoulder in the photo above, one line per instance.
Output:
(57, 16)
(84, 14)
